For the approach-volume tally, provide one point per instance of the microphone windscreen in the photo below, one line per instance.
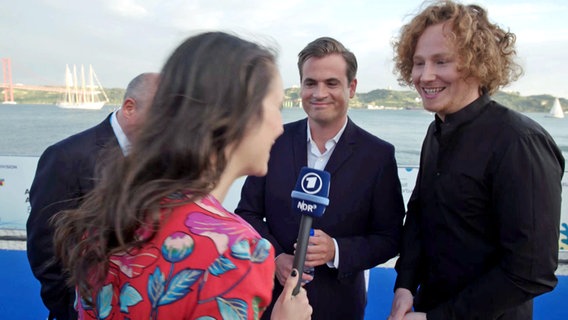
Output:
(310, 195)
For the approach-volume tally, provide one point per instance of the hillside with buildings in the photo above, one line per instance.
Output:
(407, 99)
(375, 99)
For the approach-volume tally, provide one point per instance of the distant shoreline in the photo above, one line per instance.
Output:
(374, 99)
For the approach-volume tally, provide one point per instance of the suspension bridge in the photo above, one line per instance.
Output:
(7, 86)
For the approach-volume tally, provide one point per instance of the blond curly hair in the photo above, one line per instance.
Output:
(486, 51)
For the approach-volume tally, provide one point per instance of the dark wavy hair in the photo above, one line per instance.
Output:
(210, 93)
(325, 46)
(486, 51)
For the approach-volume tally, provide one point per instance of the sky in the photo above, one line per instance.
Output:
(122, 38)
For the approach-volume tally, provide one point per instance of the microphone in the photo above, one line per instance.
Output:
(309, 198)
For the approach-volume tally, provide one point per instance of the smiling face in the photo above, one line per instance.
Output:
(435, 74)
(326, 91)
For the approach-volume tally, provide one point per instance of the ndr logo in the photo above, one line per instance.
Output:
(302, 206)
(311, 183)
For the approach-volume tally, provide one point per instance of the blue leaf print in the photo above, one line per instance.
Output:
(84, 304)
(221, 266)
(241, 250)
(104, 300)
(180, 285)
(261, 251)
(205, 318)
(232, 308)
(128, 297)
(156, 284)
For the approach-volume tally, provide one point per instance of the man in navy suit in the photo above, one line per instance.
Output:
(64, 175)
(362, 225)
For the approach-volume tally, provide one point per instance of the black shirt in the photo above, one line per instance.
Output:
(482, 227)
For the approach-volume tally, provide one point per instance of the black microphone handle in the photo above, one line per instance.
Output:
(301, 248)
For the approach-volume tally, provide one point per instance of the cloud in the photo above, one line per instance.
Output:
(41, 36)
(532, 22)
(128, 8)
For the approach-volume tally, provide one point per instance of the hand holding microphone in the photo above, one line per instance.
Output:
(309, 198)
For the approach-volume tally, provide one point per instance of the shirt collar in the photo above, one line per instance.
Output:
(462, 116)
(335, 139)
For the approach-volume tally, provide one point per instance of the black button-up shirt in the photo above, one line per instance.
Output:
(482, 227)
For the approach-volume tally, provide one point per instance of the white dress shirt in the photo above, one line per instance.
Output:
(318, 160)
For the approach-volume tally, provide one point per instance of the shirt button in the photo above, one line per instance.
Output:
(438, 174)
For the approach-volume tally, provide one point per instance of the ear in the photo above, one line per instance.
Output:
(352, 88)
(128, 107)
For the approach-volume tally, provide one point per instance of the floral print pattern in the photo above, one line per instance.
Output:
(204, 263)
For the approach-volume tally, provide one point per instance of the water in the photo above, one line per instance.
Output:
(26, 130)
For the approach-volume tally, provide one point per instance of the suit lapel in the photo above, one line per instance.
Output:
(300, 146)
(343, 149)
(104, 134)
(106, 143)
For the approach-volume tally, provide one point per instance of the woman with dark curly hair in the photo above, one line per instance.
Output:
(480, 238)
(152, 240)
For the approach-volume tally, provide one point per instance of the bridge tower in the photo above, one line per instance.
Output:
(7, 84)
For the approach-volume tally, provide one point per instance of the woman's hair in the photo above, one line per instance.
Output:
(485, 51)
(210, 93)
(325, 46)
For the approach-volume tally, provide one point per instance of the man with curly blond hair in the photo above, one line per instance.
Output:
(481, 234)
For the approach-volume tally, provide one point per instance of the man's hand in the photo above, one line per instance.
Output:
(283, 267)
(415, 316)
(402, 304)
(321, 249)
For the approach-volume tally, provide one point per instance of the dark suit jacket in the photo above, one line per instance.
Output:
(64, 175)
(364, 215)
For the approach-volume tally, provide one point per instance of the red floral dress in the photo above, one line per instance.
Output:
(205, 263)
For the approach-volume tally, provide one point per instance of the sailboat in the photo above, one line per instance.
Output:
(556, 110)
(80, 95)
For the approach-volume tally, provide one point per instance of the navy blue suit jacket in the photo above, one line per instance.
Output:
(365, 213)
(64, 175)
